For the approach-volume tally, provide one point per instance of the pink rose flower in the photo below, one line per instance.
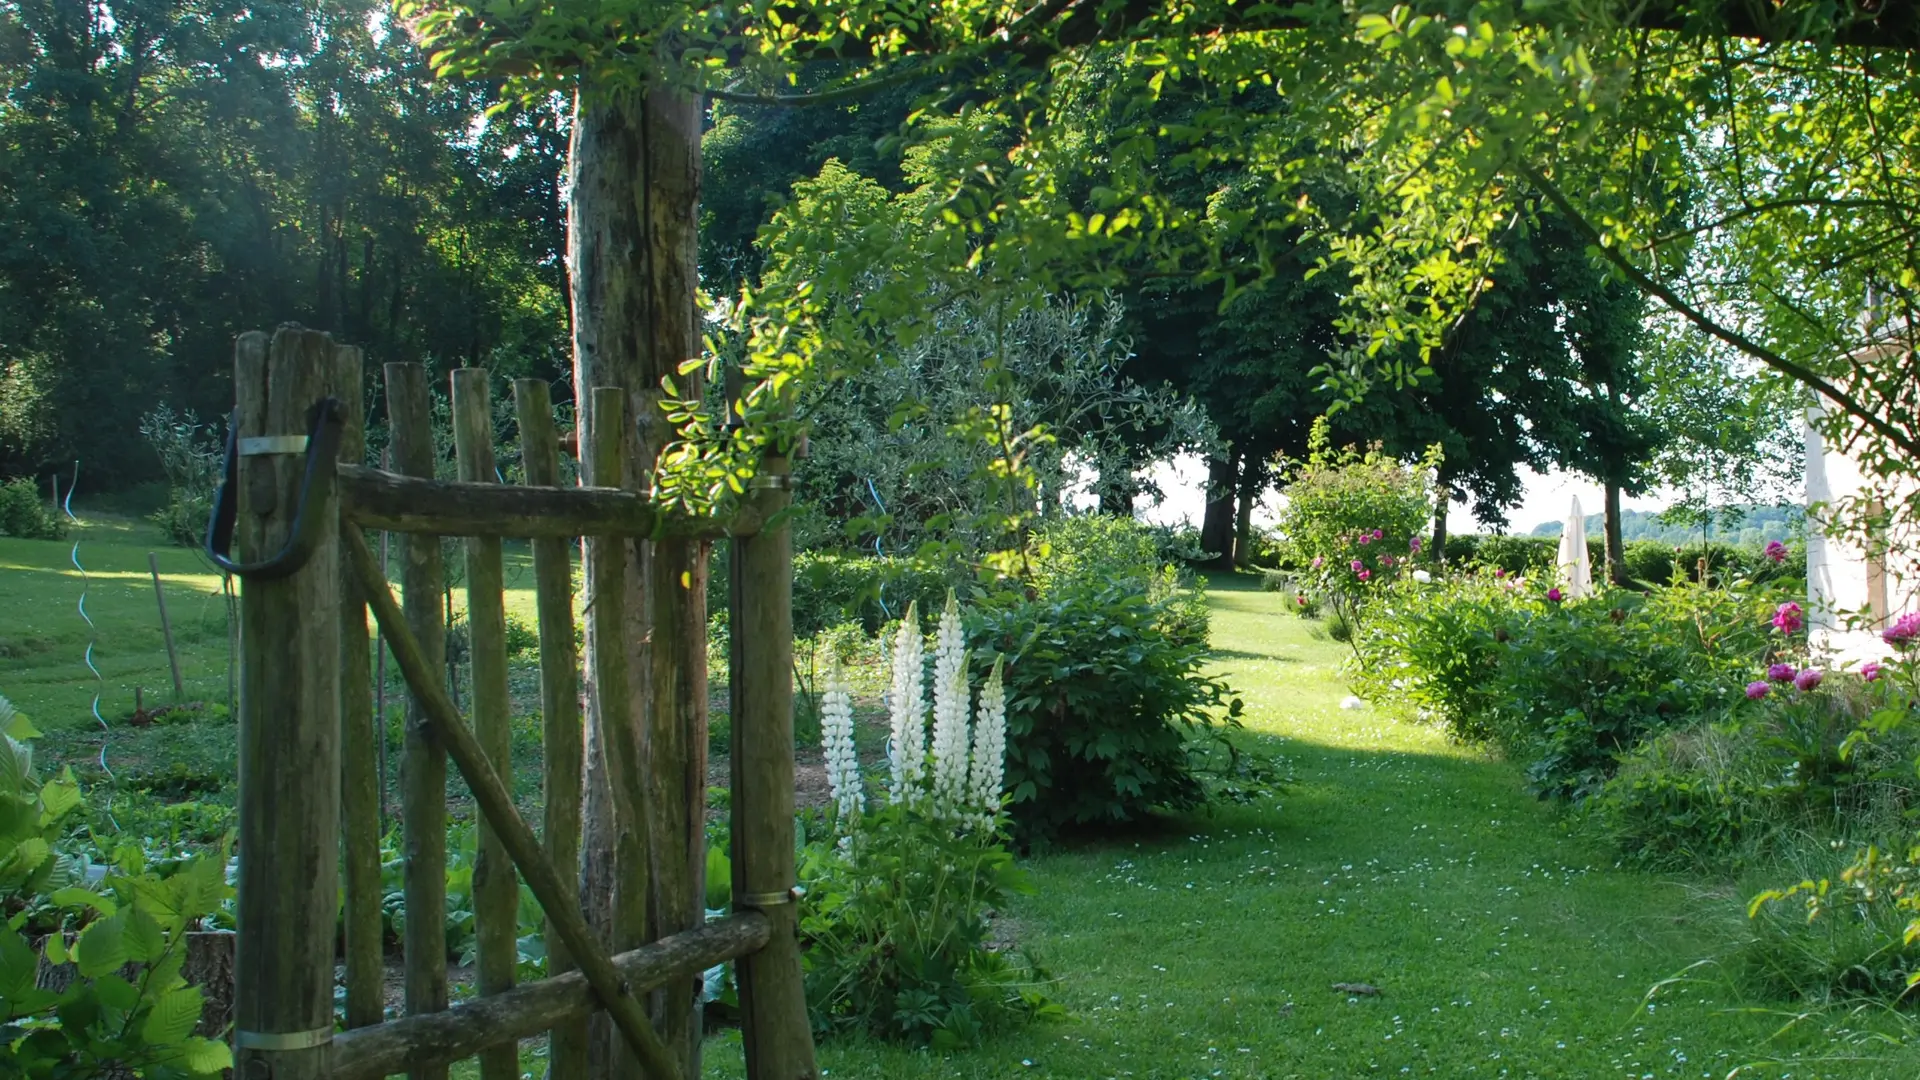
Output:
(1553, 594)
(1904, 629)
(1786, 618)
(1808, 679)
(1756, 690)
(1870, 670)
(1781, 673)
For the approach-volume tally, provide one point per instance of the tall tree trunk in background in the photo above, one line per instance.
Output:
(633, 195)
(1442, 497)
(1616, 551)
(675, 750)
(1216, 527)
(1250, 483)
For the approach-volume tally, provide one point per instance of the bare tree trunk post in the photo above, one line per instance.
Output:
(625, 874)
(604, 235)
(360, 794)
(559, 702)
(289, 743)
(496, 892)
(675, 736)
(773, 1002)
(423, 761)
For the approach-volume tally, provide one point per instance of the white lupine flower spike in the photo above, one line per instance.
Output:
(907, 709)
(836, 737)
(989, 771)
(950, 700)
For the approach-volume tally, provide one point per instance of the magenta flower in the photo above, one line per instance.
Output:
(1363, 574)
(1781, 673)
(1317, 560)
(1553, 594)
(1386, 560)
(1756, 690)
(1499, 573)
(1786, 618)
(1366, 538)
(1776, 551)
(1358, 566)
(1808, 679)
(1413, 545)
(1870, 670)
(1379, 534)
(1904, 629)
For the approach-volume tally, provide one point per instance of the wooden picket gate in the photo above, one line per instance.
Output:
(294, 509)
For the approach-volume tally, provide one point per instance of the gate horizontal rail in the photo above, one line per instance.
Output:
(465, 1029)
(376, 499)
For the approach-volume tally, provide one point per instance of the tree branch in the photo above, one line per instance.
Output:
(1794, 370)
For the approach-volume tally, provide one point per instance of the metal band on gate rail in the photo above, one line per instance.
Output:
(262, 445)
(772, 899)
(282, 1041)
(321, 445)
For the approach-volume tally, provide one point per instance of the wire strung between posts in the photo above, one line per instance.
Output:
(99, 680)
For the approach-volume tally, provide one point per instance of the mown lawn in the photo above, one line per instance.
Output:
(1505, 945)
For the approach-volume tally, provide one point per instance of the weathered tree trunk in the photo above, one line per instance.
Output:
(632, 251)
(1442, 499)
(1250, 484)
(609, 308)
(1616, 551)
(1216, 527)
(676, 733)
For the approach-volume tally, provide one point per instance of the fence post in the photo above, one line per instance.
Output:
(773, 1003)
(423, 761)
(496, 893)
(359, 751)
(559, 701)
(289, 726)
(606, 561)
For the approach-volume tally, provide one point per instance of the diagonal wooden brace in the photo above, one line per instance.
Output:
(497, 804)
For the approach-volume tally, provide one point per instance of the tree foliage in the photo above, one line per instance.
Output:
(175, 173)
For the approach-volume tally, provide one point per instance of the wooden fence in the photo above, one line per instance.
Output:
(298, 502)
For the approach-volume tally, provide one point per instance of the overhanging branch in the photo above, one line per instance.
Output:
(1652, 287)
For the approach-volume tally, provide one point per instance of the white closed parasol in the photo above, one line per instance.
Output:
(1576, 570)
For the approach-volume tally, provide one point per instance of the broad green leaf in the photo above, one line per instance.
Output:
(102, 947)
(173, 1016)
(205, 1057)
(76, 896)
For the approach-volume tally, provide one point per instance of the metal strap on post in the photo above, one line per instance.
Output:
(322, 447)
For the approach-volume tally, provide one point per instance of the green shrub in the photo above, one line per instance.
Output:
(1354, 520)
(830, 588)
(1568, 687)
(1527, 556)
(1435, 648)
(1105, 698)
(1695, 798)
(893, 931)
(192, 455)
(25, 515)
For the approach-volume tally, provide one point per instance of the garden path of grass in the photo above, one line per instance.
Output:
(1506, 945)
